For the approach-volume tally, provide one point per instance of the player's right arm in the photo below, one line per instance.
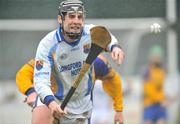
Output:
(42, 73)
(24, 82)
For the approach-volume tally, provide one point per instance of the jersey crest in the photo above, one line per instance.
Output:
(39, 64)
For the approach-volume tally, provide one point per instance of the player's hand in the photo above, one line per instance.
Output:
(56, 110)
(117, 55)
(118, 118)
(31, 99)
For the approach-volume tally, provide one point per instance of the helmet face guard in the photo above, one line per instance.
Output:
(71, 6)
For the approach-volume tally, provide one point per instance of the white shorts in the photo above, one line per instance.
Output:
(70, 117)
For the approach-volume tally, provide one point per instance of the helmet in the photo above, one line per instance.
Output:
(71, 6)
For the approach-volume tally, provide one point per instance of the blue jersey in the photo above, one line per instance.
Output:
(56, 55)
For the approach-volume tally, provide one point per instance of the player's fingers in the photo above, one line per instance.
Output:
(56, 114)
(112, 55)
(30, 104)
(65, 111)
(117, 58)
(60, 112)
(116, 55)
(121, 58)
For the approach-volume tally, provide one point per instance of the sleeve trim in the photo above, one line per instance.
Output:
(48, 99)
(115, 45)
(29, 91)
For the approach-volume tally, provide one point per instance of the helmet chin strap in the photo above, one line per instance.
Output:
(71, 35)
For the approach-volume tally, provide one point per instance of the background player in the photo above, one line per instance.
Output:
(153, 89)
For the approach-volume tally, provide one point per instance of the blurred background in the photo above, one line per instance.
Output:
(23, 23)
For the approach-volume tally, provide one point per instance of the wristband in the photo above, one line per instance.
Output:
(115, 45)
(29, 91)
(48, 99)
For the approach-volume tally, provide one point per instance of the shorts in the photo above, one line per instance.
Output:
(79, 120)
(70, 118)
(155, 112)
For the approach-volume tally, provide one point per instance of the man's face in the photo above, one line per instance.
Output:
(155, 59)
(73, 22)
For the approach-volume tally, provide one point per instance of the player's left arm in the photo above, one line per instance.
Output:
(116, 50)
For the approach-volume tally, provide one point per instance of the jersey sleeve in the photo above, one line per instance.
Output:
(42, 70)
(24, 78)
(113, 42)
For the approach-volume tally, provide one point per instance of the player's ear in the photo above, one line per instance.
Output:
(59, 19)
